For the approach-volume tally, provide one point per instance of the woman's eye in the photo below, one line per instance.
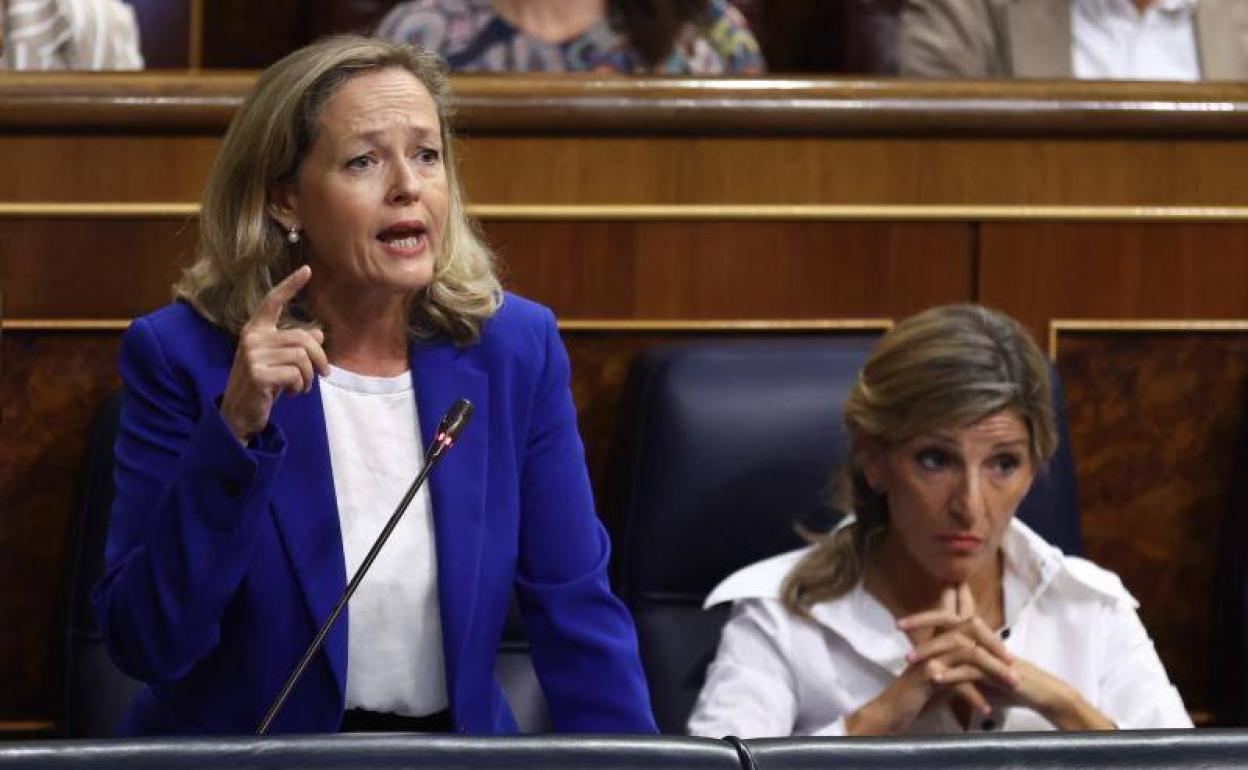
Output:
(360, 162)
(931, 459)
(428, 156)
(1007, 463)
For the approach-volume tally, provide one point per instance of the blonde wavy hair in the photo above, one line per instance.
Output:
(947, 366)
(242, 251)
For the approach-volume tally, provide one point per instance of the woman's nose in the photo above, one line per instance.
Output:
(968, 504)
(404, 184)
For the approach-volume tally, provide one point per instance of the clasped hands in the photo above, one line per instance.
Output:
(956, 655)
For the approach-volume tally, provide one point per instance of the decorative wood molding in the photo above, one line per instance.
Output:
(725, 325)
(65, 324)
(701, 212)
(591, 325)
(27, 727)
(1141, 326)
(92, 210)
(649, 106)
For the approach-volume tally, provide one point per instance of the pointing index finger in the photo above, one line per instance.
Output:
(270, 308)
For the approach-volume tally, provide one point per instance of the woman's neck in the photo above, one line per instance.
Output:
(551, 21)
(899, 583)
(364, 334)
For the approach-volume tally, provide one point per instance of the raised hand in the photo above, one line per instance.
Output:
(270, 360)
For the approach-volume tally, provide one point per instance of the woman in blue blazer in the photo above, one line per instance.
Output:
(334, 248)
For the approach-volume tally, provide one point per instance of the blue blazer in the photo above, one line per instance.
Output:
(222, 561)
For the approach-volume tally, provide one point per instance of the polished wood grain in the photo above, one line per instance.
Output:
(84, 268)
(49, 392)
(67, 268)
(553, 105)
(1155, 419)
(105, 168)
(151, 137)
(740, 270)
(1040, 271)
(1130, 171)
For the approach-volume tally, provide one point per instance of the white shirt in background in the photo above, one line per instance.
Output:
(1112, 40)
(394, 647)
(776, 674)
(69, 34)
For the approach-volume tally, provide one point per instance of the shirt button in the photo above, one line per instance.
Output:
(1005, 633)
(988, 725)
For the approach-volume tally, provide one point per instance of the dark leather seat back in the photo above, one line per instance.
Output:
(734, 442)
(97, 693)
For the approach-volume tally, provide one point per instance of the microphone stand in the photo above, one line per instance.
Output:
(447, 432)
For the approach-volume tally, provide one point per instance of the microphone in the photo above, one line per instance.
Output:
(452, 424)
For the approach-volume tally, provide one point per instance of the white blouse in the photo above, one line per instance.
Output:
(777, 674)
(394, 637)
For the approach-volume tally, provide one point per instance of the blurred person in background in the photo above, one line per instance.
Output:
(674, 37)
(68, 35)
(1182, 40)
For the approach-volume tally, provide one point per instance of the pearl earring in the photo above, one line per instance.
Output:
(292, 235)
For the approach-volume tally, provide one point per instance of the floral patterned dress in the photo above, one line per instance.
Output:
(472, 37)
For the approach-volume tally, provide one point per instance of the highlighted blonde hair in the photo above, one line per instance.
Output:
(242, 252)
(949, 366)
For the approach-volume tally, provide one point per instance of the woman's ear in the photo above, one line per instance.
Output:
(870, 459)
(283, 206)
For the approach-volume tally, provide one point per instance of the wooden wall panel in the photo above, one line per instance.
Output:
(91, 268)
(1038, 271)
(1155, 423)
(697, 170)
(862, 171)
(105, 168)
(50, 388)
(120, 268)
(733, 269)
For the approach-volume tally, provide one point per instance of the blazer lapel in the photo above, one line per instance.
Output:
(1039, 35)
(1222, 37)
(306, 510)
(441, 375)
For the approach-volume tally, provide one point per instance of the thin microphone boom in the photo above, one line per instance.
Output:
(448, 431)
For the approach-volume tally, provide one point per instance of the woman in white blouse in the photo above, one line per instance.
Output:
(932, 609)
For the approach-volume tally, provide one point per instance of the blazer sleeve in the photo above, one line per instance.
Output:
(949, 39)
(583, 641)
(188, 499)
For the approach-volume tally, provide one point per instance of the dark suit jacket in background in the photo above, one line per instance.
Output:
(223, 561)
(1032, 39)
